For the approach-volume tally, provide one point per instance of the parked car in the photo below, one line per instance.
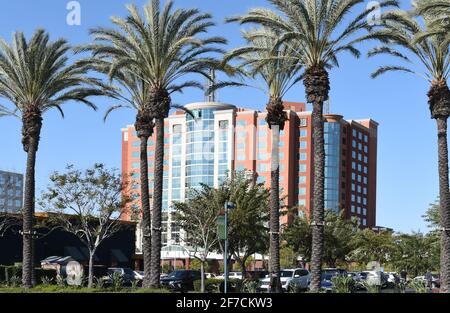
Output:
(335, 271)
(181, 280)
(138, 275)
(359, 279)
(326, 283)
(435, 280)
(260, 274)
(291, 279)
(375, 278)
(210, 275)
(352, 274)
(362, 276)
(392, 278)
(127, 275)
(163, 275)
(231, 275)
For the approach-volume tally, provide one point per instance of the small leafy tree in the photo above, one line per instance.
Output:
(338, 234)
(248, 229)
(373, 246)
(288, 257)
(248, 221)
(413, 253)
(432, 218)
(87, 204)
(197, 217)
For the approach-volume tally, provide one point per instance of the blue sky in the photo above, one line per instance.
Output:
(407, 150)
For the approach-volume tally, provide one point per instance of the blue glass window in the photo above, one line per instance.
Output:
(241, 123)
(303, 144)
(261, 180)
(262, 133)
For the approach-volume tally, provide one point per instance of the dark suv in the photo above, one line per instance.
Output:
(181, 280)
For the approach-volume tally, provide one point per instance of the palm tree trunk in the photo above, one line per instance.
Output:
(318, 196)
(275, 283)
(157, 204)
(146, 216)
(444, 199)
(317, 86)
(28, 215)
(33, 252)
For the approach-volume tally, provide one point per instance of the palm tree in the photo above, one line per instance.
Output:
(440, 10)
(277, 73)
(148, 55)
(428, 56)
(35, 77)
(321, 30)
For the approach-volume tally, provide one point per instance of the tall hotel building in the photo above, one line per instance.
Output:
(223, 138)
(11, 192)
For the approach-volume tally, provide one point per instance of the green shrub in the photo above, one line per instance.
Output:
(7, 272)
(400, 287)
(212, 285)
(195, 265)
(70, 289)
(343, 284)
(250, 286)
(233, 286)
(144, 290)
(371, 288)
(42, 274)
(419, 286)
(61, 282)
(99, 283)
(294, 288)
(14, 281)
(116, 281)
(46, 281)
(166, 268)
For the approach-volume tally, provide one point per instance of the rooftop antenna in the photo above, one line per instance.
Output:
(210, 94)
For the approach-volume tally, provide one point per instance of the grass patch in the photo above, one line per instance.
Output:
(58, 289)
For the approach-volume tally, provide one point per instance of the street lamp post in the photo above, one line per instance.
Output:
(228, 206)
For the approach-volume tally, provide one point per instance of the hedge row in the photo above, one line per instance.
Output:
(213, 285)
(8, 272)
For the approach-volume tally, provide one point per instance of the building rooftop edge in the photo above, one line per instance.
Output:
(205, 104)
(364, 120)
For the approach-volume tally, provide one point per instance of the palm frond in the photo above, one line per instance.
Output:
(155, 49)
(113, 108)
(385, 69)
(318, 27)
(36, 73)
